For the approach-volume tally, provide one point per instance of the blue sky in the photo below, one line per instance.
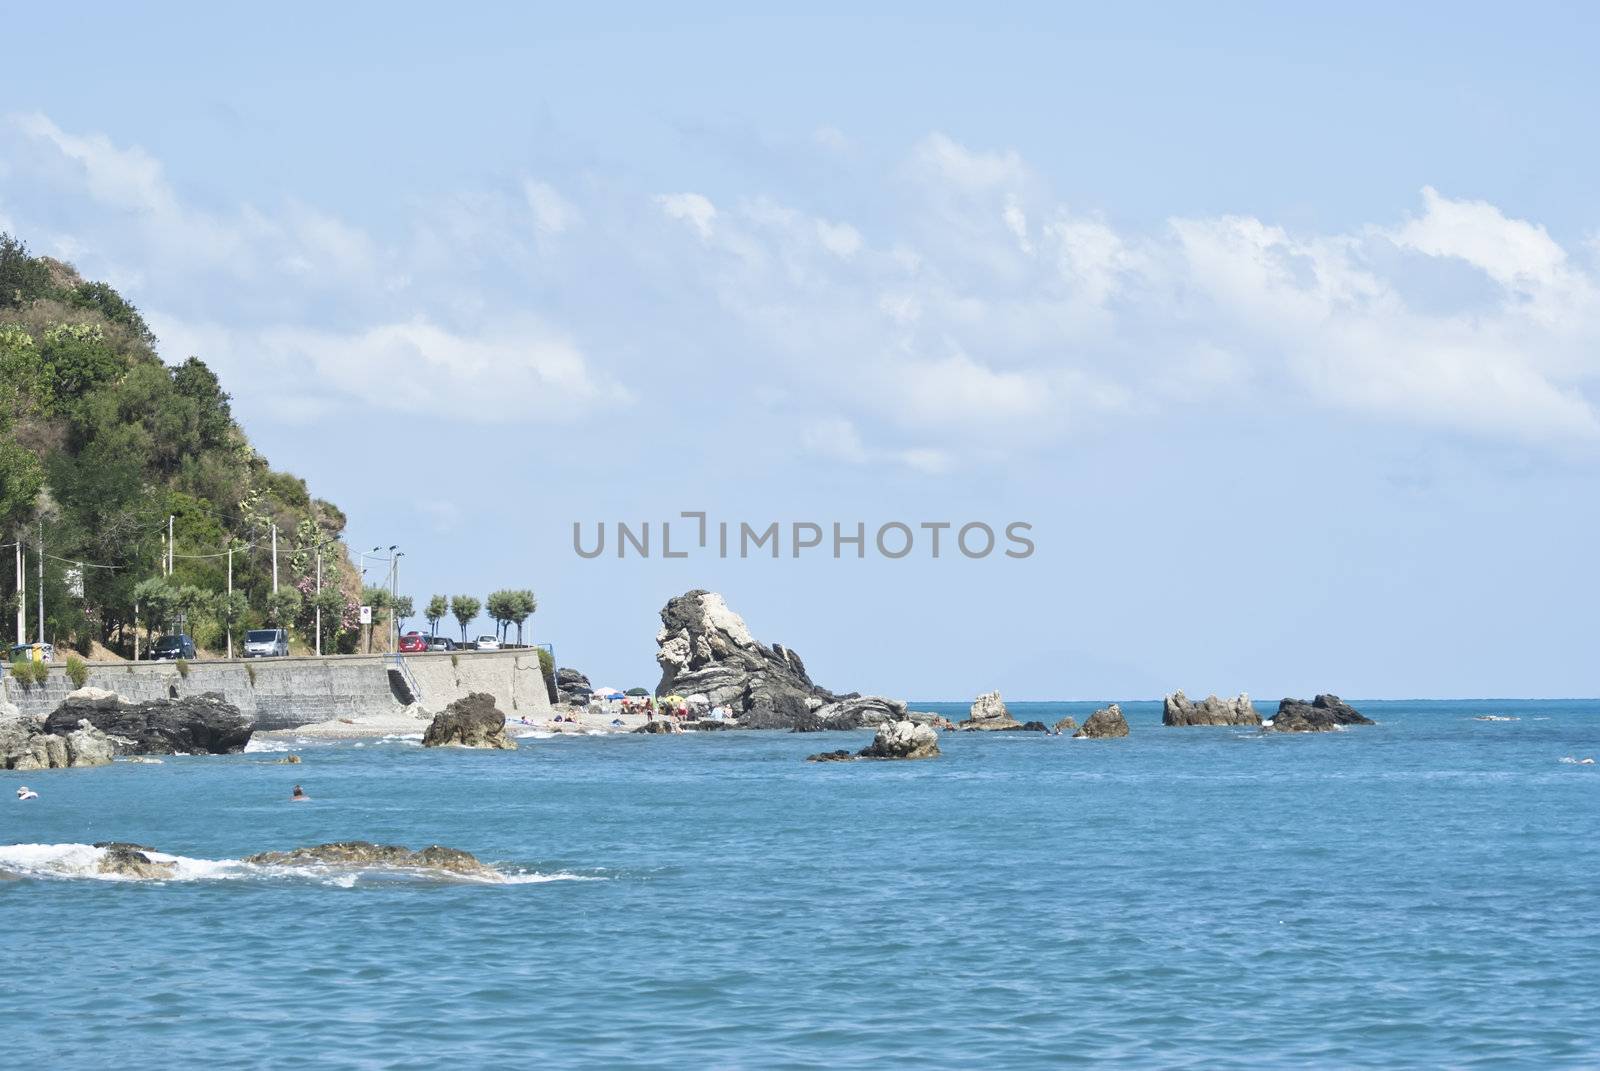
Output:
(1279, 327)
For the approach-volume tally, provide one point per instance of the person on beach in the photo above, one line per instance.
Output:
(26, 793)
(299, 795)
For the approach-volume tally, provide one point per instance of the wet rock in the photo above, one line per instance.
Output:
(831, 756)
(659, 725)
(1323, 714)
(1033, 727)
(192, 725)
(902, 740)
(360, 853)
(472, 721)
(988, 714)
(1107, 722)
(130, 861)
(289, 760)
(1178, 709)
(1065, 724)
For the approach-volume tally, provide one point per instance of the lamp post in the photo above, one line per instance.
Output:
(394, 598)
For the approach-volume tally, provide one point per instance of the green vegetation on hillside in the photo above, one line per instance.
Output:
(100, 442)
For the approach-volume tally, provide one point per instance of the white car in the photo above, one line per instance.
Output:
(488, 643)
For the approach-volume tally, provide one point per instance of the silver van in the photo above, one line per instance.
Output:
(266, 643)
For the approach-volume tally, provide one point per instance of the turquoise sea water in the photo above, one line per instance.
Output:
(1417, 893)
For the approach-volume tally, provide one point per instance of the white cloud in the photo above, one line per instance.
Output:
(552, 213)
(691, 208)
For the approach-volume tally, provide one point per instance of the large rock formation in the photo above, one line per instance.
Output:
(988, 713)
(360, 853)
(1323, 714)
(1066, 723)
(1104, 723)
(893, 740)
(25, 746)
(193, 725)
(471, 721)
(1178, 709)
(572, 686)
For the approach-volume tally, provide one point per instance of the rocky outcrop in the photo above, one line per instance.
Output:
(1323, 714)
(705, 648)
(1033, 727)
(360, 853)
(659, 725)
(893, 740)
(193, 725)
(1178, 709)
(571, 686)
(1065, 724)
(26, 746)
(1107, 722)
(132, 861)
(902, 740)
(988, 714)
(471, 721)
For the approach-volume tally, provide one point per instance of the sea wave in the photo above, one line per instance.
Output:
(58, 862)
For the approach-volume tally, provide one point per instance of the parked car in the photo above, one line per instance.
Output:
(266, 643)
(414, 641)
(441, 643)
(33, 652)
(488, 643)
(165, 647)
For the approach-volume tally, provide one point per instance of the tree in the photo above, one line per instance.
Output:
(438, 607)
(523, 606)
(190, 603)
(332, 604)
(283, 606)
(232, 608)
(501, 606)
(155, 600)
(464, 608)
(378, 599)
(403, 609)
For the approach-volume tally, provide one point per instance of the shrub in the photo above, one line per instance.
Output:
(22, 672)
(250, 671)
(455, 660)
(78, 670)
(547, 668)
(183, 668)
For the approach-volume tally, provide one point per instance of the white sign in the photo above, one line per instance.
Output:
(73, 576)
(366, 615)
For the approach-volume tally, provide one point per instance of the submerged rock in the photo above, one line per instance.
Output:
(197, 724)
(831, 756)
(1178, 709)
(289, 760)
(130, 861)
(471, 721)
(988, 714)
(24, 745)
(1104, 723)
(360, 853)
(1323, 714)
(1064, 724)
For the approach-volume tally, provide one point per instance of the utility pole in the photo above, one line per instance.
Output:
(169, 544)
(319, 600)
(41, 584)
(274, 556)
(394, 598)
(22, 592)
(228, 624)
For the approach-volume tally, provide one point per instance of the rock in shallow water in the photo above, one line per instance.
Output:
(1064, 724)
(1104, 723)
(130, 861)
(896, 740)
(1178, 709)
(361, 853)
(1323, 714)
(193, 725)
(988, 713)
(472, 721)
(25, 746)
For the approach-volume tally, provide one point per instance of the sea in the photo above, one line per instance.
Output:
(1423, 892)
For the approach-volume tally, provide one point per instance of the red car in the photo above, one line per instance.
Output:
(413, 641)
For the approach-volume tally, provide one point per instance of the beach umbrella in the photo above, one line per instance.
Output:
(607, 693)
(699, 699)
(672, 699)
(638, 691)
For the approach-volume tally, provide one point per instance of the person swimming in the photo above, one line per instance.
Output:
(26, 793)
(299, 795)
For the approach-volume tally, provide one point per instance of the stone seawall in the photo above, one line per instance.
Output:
(282, 693)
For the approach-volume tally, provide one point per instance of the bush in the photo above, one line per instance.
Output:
(455, 660)
(547, 667)
(78, 670)
(250, 671)
(29, 673)
(183, 668)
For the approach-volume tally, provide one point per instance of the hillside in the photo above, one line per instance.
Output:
(101, 442)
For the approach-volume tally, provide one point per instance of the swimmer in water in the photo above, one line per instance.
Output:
(26, 793)
(299, 795)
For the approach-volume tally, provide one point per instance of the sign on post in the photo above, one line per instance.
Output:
(366, 615)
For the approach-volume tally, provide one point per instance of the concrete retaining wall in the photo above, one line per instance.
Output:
(287, 692)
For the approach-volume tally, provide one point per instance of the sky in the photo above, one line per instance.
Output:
(1279, 329)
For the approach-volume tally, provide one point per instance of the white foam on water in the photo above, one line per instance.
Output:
(1572, 761)
(257, 744)
(1495, 717)
(540, 734)
(82, 861)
